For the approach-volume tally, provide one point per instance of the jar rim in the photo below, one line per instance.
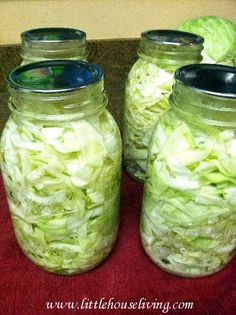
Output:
(51, 77)
(53, 35)
(212, 79)
(172, 37)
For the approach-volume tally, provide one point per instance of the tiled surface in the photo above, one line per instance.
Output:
(116, 57)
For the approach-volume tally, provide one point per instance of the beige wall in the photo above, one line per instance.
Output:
(105, 18)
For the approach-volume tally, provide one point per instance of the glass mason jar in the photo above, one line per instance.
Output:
(188, 223)
(61, 162)
(53, 43)
(148, 86)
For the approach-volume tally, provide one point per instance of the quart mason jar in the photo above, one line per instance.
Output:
(148, 86)
(188, 223)
(53, 43)
(61, 162)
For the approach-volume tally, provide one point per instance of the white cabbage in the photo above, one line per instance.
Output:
(62, 183)
(146, 99)
(188, 223)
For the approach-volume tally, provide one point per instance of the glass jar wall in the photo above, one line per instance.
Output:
(61, 162)
(53, 44)
(188, 223)
(148, 86)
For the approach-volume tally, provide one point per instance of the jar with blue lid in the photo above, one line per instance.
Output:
(61, 163)
(188, 223)
(53, 43)
(148, 87)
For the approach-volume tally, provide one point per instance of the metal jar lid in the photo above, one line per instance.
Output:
(216, 80)
(172, 38)
(54, 76)
(53, 35)
(54, 43)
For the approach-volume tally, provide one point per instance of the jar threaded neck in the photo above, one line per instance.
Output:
(53, 43)
(51, 89)
(170, 46)
(205, 93)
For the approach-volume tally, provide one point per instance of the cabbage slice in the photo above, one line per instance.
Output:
(146, 100)
(62, 182)
(188, 223)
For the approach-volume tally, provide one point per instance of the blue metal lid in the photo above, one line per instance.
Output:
(217, 80)
(53, 34)
(54, 76)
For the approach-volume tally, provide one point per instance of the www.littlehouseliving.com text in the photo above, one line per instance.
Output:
(112, 304)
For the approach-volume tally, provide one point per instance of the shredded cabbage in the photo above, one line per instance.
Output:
(62, 183)
(188, 224)
(219, 38)
(146, 99)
